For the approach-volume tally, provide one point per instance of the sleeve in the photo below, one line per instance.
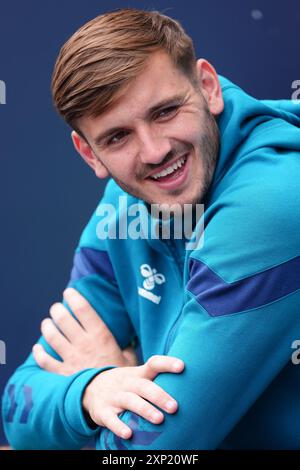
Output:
(240, 317)
(42, 410)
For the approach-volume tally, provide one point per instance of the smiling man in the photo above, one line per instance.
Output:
(170, 124)
(215, 324)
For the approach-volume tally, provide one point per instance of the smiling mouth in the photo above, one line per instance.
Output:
(171, 172)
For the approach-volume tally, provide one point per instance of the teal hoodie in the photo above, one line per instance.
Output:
(229, 308)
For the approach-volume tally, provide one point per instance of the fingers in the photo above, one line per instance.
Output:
(132, 389)
(66, 323)
(136, 404)
(111, 421)
(45, 361)
(158, 364)
(150, 391)
(55, 338)
(84, 312)
(153, 393)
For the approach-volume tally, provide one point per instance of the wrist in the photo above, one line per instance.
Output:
(91, 424)
(87, 398)
(72, 405)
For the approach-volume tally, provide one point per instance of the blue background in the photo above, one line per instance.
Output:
(47, 192)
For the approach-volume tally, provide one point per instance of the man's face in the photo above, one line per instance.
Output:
(159, 141)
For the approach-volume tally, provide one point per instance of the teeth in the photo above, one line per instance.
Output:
(170, 169)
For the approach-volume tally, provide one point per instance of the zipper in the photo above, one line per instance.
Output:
(180, 268)
(175, 255)
(171, 334)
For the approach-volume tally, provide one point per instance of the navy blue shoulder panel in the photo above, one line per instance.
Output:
(219, 297)
(89, 261)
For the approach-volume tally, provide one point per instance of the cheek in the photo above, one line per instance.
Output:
(120, 165)
(127, 172)
(187, 128)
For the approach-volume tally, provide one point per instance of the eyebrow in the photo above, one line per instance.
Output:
(174, 100)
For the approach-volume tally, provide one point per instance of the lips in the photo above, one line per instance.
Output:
(173, 180)
(167, 168)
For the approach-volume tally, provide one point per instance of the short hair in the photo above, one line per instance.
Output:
(107, 52)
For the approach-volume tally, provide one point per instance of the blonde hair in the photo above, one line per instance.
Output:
(107, 52)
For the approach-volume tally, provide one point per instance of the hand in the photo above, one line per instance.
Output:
(81, 344)
(127, 388)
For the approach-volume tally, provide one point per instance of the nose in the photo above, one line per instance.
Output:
(153, 146)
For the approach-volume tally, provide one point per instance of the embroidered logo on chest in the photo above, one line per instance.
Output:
(152, 277)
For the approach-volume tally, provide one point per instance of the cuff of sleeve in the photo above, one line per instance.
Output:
(73, 402)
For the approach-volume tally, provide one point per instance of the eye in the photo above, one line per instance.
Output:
(116, 138)
(167, 112)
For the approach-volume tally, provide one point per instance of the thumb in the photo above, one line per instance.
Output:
(158, 364)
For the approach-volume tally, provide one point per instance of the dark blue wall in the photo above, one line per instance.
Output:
(47, 193)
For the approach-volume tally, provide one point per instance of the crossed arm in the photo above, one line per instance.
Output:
(227, 366)
(84, 341)
(221, 379)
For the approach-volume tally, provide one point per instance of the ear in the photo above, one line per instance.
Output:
(86, 152)
(210, 86)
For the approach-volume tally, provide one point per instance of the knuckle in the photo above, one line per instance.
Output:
(125, 400)
(41, 360)
(57, 312)
(143, 387)
(56, 306)
(84, 346)
(81, 308)
(147, 411)
(49, 335)
(118, 399)
(47, 328)
(156, 397)
(154, 361)
(153, 358)
(45, 322)
(104, 336)
(156, 393)
(109, 421)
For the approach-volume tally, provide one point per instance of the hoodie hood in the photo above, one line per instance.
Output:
(247, 123)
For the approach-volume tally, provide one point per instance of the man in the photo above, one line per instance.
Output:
(216, 322)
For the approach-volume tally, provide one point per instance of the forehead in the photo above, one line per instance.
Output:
(159, 80)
